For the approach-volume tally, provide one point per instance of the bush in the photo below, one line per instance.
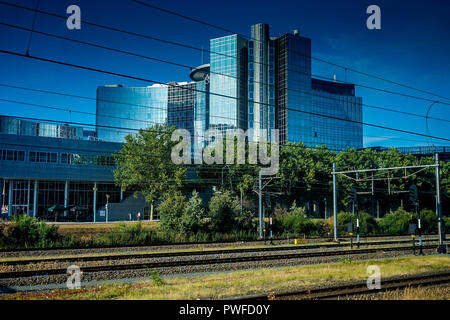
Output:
(396, 222)
(223, 210)
(343, 219)
(367, 223)
(296, 222)
(193, 214)
(25, 231)
(446, 221)
(245, 222)
(171, 211)
(428, 221)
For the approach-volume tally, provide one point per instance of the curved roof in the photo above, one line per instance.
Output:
(199, 73)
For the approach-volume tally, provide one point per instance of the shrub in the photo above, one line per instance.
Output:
(367, 223)
(343, 219)
(396, 222)
(171, 211)
(296, 222)
(223, 209)
(428, 221)
(126, 234)
(193, 214)
(446, 221)
(245, 222)
(25, 231)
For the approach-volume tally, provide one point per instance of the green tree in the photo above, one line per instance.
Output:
(192, 218)
(171, 211)
(144, 164)
(223, 209)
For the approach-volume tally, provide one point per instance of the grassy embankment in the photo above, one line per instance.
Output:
(223, 285)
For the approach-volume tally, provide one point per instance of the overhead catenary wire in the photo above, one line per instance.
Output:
(201, 49)
(216, 94)
(210, 167)
(312, 93)
(346, 68)
(126, 103)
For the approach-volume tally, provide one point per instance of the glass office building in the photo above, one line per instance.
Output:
(23, 127)
(228, 83)
(124, 110)
(259, 83)
(336, 100)
(294, 88)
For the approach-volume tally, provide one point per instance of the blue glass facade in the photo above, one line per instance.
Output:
(129, 108)
(23, 127)
(261, 83)
(39, 172)
(336, 100)
(228, 83)
(293, 88)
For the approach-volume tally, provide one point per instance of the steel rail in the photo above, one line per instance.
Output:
(318, 239)
(150, 255)
(355, 288)
(178, 263)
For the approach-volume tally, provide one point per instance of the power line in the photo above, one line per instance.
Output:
(138, 120)
(201, 49)
(234, 77)
(314, 58)
(217, 94)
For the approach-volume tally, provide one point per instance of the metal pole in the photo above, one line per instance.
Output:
(326, 213)
(107, 209)
(95, 202)
(241, 201)
(260, 205)
(419, 226)
(3, 194)
(28, 197)
(66, 196)
(378, 209)
(10, 198)
(441, 248)
(335, 203)
(35, 197)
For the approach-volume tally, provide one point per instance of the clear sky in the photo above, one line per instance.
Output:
(413, 47)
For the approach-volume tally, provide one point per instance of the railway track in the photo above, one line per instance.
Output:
(352, 289)
(259, 241)
(198, 262)
(19, 262)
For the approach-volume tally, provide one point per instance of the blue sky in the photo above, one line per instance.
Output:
(412, 48)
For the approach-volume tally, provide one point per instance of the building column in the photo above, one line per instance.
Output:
(66, 194)
(95, 201)
(28, 197)
(10, 197)
(35, 197)
(2, 194)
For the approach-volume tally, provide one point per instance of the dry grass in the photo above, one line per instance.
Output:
(68, 229)
(223, 285)
(420, 293)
